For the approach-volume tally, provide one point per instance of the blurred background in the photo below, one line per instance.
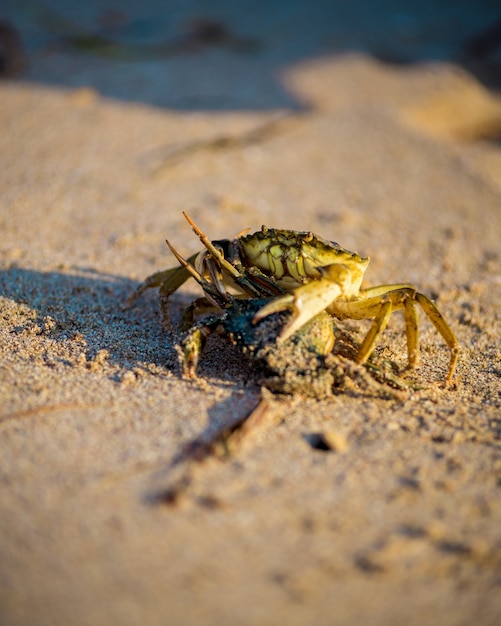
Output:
(230, 55)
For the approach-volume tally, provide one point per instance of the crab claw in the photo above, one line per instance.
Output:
(309, 299)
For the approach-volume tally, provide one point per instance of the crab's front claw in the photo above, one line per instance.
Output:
(309, 299)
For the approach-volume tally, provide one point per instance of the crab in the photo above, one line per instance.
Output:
(306, 275)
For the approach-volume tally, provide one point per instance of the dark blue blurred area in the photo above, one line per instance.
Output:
(224, 55)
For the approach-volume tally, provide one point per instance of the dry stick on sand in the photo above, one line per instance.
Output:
(223, 444)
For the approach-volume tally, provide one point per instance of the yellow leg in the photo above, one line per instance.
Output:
(410, 314)
(378, 325)
(381, 290)
(437, 319)
(412, 332)
(379, 306)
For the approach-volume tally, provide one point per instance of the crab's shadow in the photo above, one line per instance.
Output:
(91, 307)
(87, 305)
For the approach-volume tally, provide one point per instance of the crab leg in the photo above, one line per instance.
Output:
(443, 328)
(380, 308)
(168, 281)
(309, 299)
(193, 344)
(214, 296)
(412, 332)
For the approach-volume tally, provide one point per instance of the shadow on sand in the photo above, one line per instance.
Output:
(86, 304)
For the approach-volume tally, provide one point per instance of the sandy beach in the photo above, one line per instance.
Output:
(382, 135)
